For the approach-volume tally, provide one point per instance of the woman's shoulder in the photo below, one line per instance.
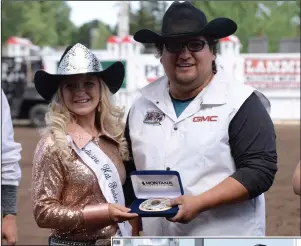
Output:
(46, 155)
(45, 147)
(46, 141)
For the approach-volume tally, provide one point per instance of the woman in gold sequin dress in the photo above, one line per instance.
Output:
(78, 168)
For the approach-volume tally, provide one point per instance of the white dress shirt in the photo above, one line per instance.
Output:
(196, 145)
(11, 151)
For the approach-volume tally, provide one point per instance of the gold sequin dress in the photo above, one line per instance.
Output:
(60, 194)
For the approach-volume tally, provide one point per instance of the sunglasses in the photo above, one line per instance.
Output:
(192, 46)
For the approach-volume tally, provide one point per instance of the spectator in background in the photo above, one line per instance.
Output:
(296, 180)
(11, 175)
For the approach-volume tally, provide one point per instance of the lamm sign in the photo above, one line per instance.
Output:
(272, 72)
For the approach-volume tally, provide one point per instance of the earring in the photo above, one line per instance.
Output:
(98, 107)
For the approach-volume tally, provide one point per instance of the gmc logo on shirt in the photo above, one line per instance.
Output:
(204, 118)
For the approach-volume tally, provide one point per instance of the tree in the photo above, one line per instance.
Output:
(65, 29)
(256, 18)
(149, 16)
(43, 22)
(280, 23)
(94, 34)
(243, 13)
(102, 33)
(11, 14)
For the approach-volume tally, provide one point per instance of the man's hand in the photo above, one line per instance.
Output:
(229, 191)
(9, 229)
(189, 208)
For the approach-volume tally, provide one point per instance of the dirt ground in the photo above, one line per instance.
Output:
(282, 206)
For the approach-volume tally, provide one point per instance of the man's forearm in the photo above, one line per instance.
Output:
(9, 199)
(227, 192)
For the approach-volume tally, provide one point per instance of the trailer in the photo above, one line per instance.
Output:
(17, 84)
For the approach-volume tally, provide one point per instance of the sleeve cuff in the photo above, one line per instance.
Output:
(9, 199)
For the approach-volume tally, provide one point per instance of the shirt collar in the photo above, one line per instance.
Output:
(80, 137)
(216, 91)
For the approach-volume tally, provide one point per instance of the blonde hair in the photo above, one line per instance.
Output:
(109, 120)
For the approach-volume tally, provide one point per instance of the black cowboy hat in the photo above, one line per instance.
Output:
(185, 20)
(77, 59)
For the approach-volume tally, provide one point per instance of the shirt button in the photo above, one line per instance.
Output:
(175, 128)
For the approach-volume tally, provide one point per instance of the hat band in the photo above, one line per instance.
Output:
(76, 70)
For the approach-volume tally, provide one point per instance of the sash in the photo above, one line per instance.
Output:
(107, 176)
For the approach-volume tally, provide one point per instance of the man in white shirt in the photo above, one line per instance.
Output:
(198, 120)
(11, 175)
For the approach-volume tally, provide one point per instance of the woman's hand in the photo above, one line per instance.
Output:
(102, 215)
(9, 229)
(120, 213)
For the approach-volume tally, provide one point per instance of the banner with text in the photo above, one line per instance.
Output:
(272, 72)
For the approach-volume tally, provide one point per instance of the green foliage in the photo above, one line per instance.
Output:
(64, 27)
(102, 33)
(271, 19)
(48, 23)
(94, 34)
(149, 16)
(43, 22)
(12, 17)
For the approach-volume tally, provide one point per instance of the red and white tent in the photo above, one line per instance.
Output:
(113, 40)
(19, 41)
(128, 39)
(116, 39)
(230, 38)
